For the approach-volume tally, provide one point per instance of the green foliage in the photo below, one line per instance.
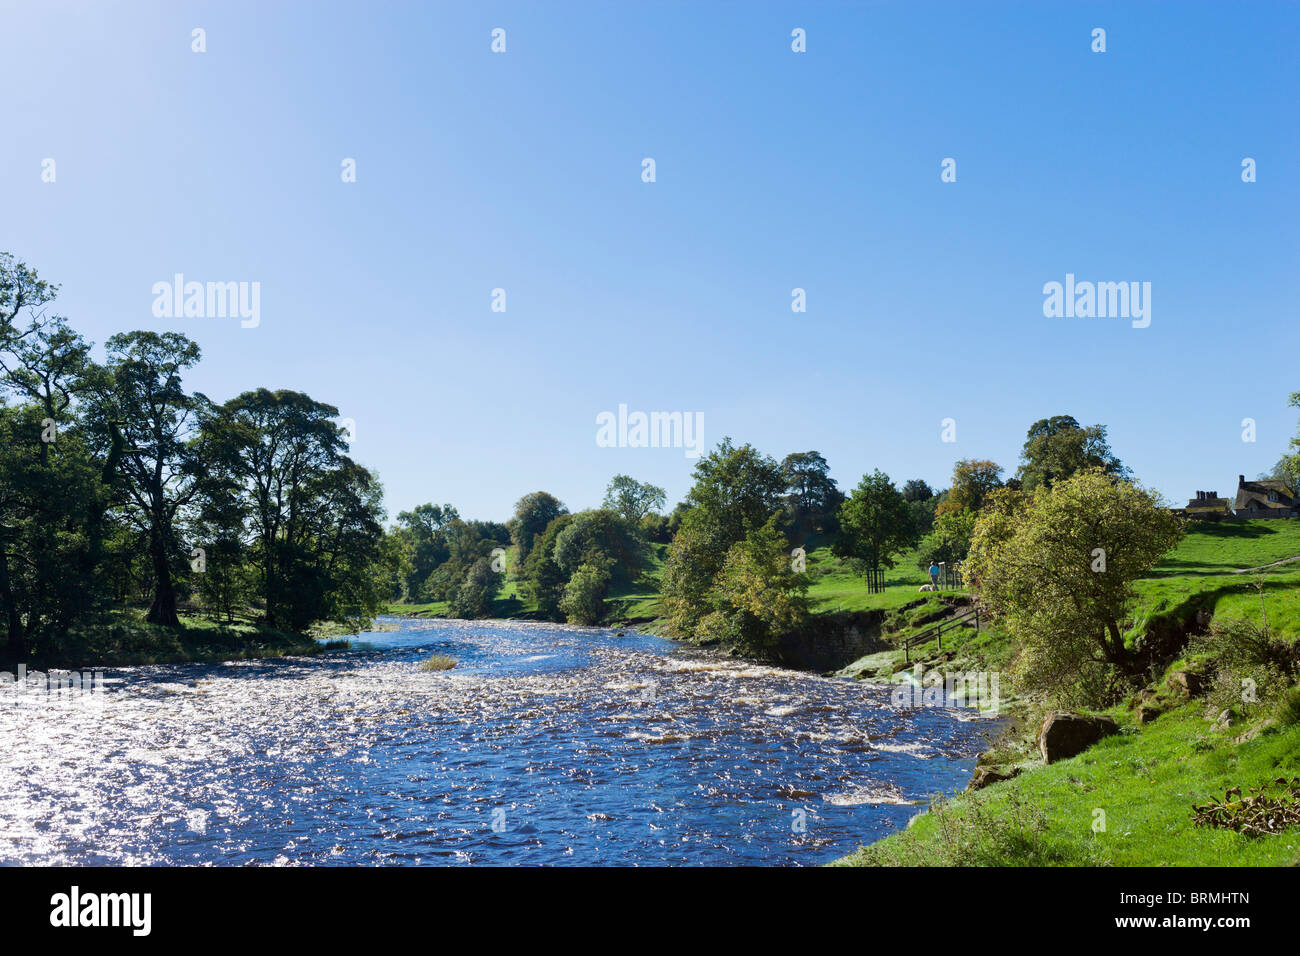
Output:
(633, 499)
(756, 597)
(736, 490)
(113, 477)
(948, 540)
(812, 497)
(973, 481)
(533, 512)
(1059, 447)
(583, 601)
(543, 579)
(1252, 668)
(1058, 567)
(473, 596)
(875, 524)
(601, 535)
(421, 539)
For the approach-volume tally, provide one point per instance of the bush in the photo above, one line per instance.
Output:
(438, 662)
(584, 596)
(1251, 667)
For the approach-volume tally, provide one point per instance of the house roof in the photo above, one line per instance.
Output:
(1258, 492)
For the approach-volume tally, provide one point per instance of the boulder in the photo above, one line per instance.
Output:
(1186, 683)
(1148, 712)
(984, 776)
(1064, 735)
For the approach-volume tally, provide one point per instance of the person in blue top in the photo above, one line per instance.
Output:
(934, 576)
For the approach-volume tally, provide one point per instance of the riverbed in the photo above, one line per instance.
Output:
(544, 745)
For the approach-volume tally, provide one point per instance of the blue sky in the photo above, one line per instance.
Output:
(775, 170)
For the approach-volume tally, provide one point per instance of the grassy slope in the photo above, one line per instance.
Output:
(1146, 779)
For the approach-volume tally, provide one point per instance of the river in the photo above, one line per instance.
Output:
(545, 744)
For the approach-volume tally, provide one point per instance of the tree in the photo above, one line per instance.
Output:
(812, 496)
(1288, 468)
(423, 531)
(949, 540)
(473, 597)
(161, 425)
(1058, 566)
(584, 594)
(972, 481)
(543, 580)
(757, 596)
(736, 489)
(286, 441)
(601, 534)
(633, 499)
(875, 524)
(1059, 447)
(533, 512)
(916, 489)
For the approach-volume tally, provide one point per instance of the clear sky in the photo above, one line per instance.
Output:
(774, 170)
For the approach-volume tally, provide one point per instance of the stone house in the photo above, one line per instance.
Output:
(1268, 498)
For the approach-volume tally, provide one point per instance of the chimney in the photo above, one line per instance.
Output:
(1241, 480)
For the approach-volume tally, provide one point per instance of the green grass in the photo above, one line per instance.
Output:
(1145, 781)
(835, 587)
(438, 662)
(122, 638)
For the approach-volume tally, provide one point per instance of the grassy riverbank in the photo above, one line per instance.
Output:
(122, 638)
(1127, 801)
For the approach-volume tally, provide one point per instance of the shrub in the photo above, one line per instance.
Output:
(584, 596)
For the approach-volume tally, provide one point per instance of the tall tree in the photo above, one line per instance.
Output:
(423, 529)
(812, 496)
(875, 524)
(973, 480)
(1058, 447)
(917, 489)
(736, 490)
(1058, 567)
(142, 398)
(286, 442)
(533, 512)
(633, 499)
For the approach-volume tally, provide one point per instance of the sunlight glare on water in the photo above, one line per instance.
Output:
(545, 744)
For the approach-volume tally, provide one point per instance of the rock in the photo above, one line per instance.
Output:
(1186, 683)
(1255, 731)
(1224, 720)
(1064, 735)
(1148, 712)
(988, 775)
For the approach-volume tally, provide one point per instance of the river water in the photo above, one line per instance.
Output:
(544, 745)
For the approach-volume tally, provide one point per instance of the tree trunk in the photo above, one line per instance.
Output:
(16, 648)
(1118, 653)
(163, 609)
